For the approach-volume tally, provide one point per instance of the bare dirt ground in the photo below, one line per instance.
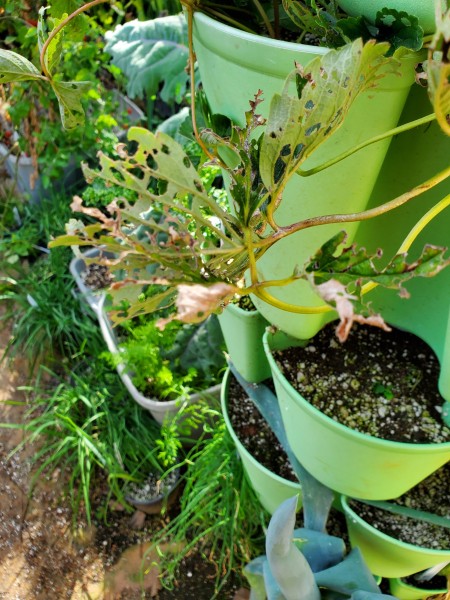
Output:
(42, 558)
(38, 557)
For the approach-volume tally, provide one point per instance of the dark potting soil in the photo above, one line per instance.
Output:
(255, 434)
(257, 438)
(97, 277)
(379, 383)
(439, 582)
(430, 495)
(152, 487)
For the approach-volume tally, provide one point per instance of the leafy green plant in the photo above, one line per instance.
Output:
(219, 513)
(208, 249)
(202, 250)
(172, 362)
(99, 195)
(33, 111)
(45, 315)
(318, 22)
(152, 54)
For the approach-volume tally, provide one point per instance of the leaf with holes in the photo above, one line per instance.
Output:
(353, 265)
(329, 85)
(173, 223)
(53, 54)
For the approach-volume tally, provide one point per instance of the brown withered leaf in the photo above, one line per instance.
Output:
(335, 293)
(196, 302)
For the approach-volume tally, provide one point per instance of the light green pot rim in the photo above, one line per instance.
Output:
(403, 447)
(227, 30)
(350, 513)
(223, 401)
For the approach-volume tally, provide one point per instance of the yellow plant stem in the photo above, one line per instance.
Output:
(414, 233)
(59, 28)
(262, 294)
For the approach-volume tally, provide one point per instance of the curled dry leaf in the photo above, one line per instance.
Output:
(335, 293)
(196, 302)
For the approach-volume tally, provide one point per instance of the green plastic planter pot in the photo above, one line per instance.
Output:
(348, 461)
(243, 331)
(414, 157)
(422, 9)
(233, 66)
(270, 488)
(403, 591)
(385, 555)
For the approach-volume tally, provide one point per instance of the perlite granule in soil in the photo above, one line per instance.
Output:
(153, 488)
(384, 384)
(431, 495)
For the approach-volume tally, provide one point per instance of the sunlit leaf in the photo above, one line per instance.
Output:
(14, 67)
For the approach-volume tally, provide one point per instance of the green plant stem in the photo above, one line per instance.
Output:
(230, 20)
(59, 28)
(265, 18)
(373, 140)
(192, 58)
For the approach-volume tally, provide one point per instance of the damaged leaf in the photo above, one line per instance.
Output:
(298, 125)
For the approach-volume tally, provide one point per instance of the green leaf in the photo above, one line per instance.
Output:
(151, 53)
(300, 15)
(132, 294)
(54, 51)
(321, 550)
(14, 67)
(400, 29)
(356, 27)
(69, 94)
(331, 83)
(76, 28)
(254, 571)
